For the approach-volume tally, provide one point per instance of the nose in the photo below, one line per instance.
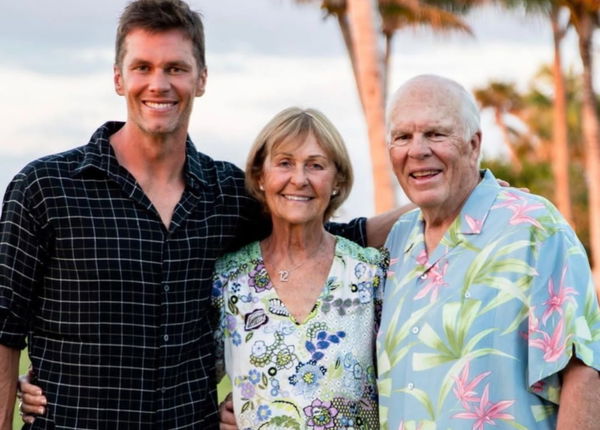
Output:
(419, 147)
(299, 177)
(159, 81)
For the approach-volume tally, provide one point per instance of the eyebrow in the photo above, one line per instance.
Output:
(289, 154)
(177, 63)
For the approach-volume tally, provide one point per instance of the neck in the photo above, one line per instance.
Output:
(150, 158)
(296, 241)
(292, 252)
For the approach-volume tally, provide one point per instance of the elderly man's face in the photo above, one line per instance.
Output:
(434, 163)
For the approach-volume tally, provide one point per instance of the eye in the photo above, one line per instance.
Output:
(141, 68)
(401, 139)
(175, 70)
(316, 166)
(284, 162)
(435, 135)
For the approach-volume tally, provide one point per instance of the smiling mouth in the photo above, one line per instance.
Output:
(297, 198)
(160, 105)
(424, 174)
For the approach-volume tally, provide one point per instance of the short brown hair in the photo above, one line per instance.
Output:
(292, 123)
(161, 15)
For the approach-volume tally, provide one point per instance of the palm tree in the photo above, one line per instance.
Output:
(440, 16)
(560, 157)
(503, 99)
(585, 18)
(560, 152)
(361, 22)
(369, 79)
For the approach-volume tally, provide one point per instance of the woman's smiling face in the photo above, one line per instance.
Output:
(298, 179)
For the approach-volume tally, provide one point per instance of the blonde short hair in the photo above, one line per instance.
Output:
(297, 123)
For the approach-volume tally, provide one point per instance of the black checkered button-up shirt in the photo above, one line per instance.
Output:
(115, 307)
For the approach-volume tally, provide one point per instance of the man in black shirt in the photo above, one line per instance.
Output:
(107, 250)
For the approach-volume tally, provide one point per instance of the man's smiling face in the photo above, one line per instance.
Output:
(159, 78)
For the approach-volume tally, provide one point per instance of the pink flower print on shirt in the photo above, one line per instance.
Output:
(508, 199)
(435, 280)
(422, 258)
(553, 346)
(487, 411)
(390, 273)
(519, 207)
(558, 298)
(474, 224)
(519, 214)
(465, 390)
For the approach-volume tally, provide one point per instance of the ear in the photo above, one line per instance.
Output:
(475, 144)
(201, 84)
(337, 183)
(118, 80)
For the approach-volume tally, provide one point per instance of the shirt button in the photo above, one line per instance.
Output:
(423, 276)
(166, 288)
(411, 386)
(166, 337)
(163, 390)
(467, 295)
(415, 330)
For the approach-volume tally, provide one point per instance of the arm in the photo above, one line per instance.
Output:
(579, 398)
(380, 225)
(9, 370)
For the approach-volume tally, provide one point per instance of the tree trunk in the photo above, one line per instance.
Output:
(591, 135)
(512, 155)
(389, 37)
(342, 18)
(560, 143)
(361, 16)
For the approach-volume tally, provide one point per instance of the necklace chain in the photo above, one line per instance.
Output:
(285, 273)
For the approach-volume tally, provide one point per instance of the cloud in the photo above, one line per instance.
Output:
(263, 55)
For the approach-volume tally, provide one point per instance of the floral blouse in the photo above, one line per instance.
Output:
(316, 374)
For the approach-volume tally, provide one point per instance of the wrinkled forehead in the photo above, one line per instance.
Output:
(418, 110)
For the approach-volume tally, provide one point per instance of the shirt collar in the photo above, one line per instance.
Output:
(471, 218)
(99, 155)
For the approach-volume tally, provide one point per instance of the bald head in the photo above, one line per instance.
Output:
(447, 94)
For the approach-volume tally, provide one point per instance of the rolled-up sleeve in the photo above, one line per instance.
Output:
(20, 263)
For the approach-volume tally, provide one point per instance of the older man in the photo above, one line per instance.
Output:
(490, 316)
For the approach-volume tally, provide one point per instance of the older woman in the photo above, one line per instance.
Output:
(298, 309)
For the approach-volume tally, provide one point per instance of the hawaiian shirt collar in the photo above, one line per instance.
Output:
(469, 222)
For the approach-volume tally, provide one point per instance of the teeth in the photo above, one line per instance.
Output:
(297, 198)
(424, 173)
(159, 105)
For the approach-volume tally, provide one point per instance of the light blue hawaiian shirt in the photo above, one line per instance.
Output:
(317, 374)
(473, 336)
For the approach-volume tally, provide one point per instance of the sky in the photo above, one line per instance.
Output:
(263, 55)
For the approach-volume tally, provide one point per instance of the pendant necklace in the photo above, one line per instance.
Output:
(285, 273)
